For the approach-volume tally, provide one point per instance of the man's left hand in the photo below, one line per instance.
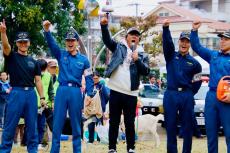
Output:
(135, 56)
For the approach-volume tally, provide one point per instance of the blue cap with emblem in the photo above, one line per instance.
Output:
(22, 36)
(225, 34)
(71, 34)
(185, 35)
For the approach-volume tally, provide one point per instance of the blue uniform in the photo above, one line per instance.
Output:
(179, 94)
(216, 112)
(68, 96)
(22, 101)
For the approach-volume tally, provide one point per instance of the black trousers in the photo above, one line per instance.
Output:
(91, 129)
(121, 103)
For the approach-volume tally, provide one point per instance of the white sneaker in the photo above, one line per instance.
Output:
(131, 151)
(40, 147)
(112, 151)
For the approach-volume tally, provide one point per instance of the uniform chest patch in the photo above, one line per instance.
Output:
(30, 64)
(80, 63)
(190, 63)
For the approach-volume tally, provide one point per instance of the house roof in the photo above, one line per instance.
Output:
(185, 15)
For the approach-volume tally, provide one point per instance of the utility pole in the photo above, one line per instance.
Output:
(136, 4)
(89, 41)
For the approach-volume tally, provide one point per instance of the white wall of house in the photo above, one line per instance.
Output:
(164, 12)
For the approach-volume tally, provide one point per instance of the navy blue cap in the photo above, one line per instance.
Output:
(133, 30)
(71, 34)
(22, 36)
(185, 35)
(225, 34)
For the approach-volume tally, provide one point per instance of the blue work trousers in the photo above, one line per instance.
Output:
(216, 114)
(67, 98)
(21, 102)
(41, 126)
(178, 103)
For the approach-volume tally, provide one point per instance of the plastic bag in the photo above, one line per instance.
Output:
(103, 133)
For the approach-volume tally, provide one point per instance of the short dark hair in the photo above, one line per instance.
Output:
(42, 63)
(96, 73)
(151, 76)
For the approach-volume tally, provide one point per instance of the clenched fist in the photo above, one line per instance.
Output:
(166, 23)
(196, 25)
(104, 20)
(46, 25)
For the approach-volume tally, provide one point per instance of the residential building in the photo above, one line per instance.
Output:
(181, 20)
(213, 9)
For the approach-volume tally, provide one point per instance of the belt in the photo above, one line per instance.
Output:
(23, 88)
(178, 88)
(70, 84)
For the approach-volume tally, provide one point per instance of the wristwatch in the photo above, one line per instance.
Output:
(42, 98)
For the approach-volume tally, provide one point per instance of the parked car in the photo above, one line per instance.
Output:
(151, 98)
(199, 107)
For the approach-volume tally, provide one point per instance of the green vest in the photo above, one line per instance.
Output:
(46, 76)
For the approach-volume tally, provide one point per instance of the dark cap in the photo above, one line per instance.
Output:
(22, 36)
(185, 35)
(71, 34)
(225, 34)
(133, 30)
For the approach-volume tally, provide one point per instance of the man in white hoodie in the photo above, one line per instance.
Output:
(127, 63)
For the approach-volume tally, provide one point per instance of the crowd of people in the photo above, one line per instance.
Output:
(34, 86)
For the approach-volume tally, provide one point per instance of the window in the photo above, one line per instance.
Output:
(164, 14)
(161, 14)
(215, 43)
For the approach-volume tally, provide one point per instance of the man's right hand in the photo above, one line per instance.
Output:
(104, 20)
(3, 26)
(196, 25)
(46, 25)
(166, 23)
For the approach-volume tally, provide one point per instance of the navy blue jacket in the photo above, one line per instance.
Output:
(219, 62)
(180, 69)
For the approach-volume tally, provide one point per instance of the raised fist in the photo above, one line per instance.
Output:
(104, 20)
(46, 25)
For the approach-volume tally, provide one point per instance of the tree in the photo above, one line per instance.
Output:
(27, 15)
(145, 24)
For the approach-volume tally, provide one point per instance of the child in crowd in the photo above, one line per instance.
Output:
(5, 89)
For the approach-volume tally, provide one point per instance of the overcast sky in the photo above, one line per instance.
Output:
(127, 7)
